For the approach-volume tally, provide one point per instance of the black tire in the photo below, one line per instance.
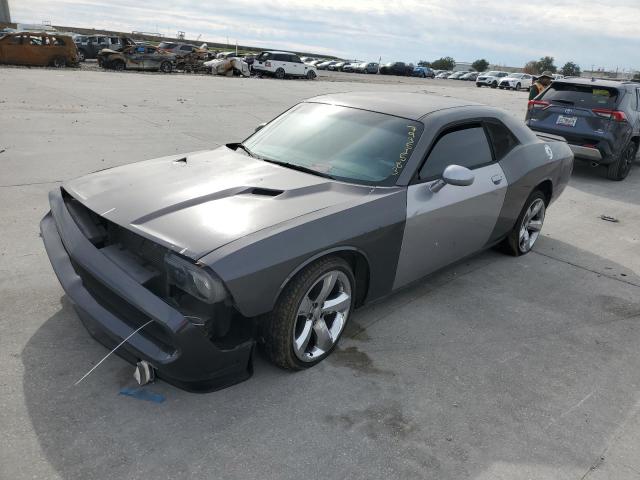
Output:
(619, 170)
(118, 65)
(511, 244)
(59, 62)
(280, 73)
(494, 85)
(518, 86)
(81, 56)
(278, 327)
(166, 67)
(478, 85)
(311, 75)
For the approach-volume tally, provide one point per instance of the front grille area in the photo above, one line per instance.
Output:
(122, 309)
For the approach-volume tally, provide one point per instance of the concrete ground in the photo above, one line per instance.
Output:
(496, 368)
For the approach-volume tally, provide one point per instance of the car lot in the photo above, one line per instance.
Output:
(495, 368)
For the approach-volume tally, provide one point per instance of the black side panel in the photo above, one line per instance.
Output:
(256, 267)
(525, 168)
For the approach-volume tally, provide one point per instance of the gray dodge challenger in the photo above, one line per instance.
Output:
(337, 202)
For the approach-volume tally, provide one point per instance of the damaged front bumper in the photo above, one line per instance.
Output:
(112, 305)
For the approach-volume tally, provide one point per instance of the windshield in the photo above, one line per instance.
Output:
(345, 143)
(516, 75)
(587, 96)
(492, 74)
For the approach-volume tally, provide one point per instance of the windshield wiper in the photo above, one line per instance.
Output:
(300, 168)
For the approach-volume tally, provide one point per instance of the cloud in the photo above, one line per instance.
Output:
(587, 31)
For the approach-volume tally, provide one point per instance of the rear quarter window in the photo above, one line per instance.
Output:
(502, 139)
(582, 96)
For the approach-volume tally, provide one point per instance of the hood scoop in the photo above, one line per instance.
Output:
(264, 192)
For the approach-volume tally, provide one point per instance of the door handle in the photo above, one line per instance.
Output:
(496, 179)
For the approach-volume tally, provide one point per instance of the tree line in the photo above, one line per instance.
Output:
(534, 67)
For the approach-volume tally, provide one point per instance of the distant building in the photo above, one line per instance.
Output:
(5, 15)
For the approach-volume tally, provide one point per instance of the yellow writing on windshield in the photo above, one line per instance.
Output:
(404, 155)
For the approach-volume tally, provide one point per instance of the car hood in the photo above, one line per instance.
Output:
(196, 203)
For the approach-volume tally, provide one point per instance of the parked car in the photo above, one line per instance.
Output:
(444, 74)
(326, 64)
(423, 72)
(337, 67)
(90, 45)
(469, 77)
(350, 67)
(38, 50)
(282, 65)
(370, 67)
(138, 57)
(598, 118)
(516, 81)
(187, 261)
(490, 79)
(396, 68)
(178, 48)
(315, 63)
(457, 75)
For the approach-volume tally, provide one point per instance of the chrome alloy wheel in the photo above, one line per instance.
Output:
(322, 315)
(531, 225)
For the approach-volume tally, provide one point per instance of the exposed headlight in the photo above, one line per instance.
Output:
(194, 280)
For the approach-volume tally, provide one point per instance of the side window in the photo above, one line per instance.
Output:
(281, 58)
(186, 48)
(296, 59)
(502, 139)
(638, 99)
(466, 146)
(148, 49)
(115, 40)
(102, 40)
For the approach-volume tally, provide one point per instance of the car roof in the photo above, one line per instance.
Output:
(413, 106)
(588, 81)
(277, 51)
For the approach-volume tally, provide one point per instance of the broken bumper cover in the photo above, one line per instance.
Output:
(112, 305)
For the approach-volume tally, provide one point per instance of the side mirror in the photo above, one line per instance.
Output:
(453, 175)
(260, 127)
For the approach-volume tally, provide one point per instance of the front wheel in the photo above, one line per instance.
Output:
(118, 65)
(494, 85)
(619, 170)
(310, 315)
(165, 67)
(518, 86)
(527, 229)
(311, 75)
(280, 73)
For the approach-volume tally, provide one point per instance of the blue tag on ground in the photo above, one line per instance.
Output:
(142, 394)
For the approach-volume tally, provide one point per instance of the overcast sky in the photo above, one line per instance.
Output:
(504, 32)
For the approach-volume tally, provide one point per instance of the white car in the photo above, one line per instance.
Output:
(283, 64)
(516, 81)
(490, 79)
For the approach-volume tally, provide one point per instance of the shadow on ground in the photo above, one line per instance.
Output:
(494, 368)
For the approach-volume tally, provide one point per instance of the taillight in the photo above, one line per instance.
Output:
(267, 64)
(538, 104)
(614, 115)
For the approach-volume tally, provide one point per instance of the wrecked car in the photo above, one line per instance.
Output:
(137, 57)
(341, 200)
(38, 50)
(228, 66)
(90, 45)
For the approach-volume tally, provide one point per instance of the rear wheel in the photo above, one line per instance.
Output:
(527, 229)
(118, 65)
(494, 85)
(619, 170)
(59, 62)
(165, 67)
(310, 315)
(280, 73)
(478, 85)
(518, 86)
